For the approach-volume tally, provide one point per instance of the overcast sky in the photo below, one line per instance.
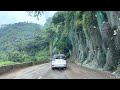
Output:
(10, 17)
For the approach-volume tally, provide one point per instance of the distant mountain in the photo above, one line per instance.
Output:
(17, 35)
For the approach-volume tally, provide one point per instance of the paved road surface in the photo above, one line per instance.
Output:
(44, 71)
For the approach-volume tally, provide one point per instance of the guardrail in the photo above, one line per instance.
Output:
(8, 68)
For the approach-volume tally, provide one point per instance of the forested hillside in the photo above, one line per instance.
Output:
(21, 42)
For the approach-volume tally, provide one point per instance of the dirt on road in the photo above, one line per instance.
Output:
(44, 71)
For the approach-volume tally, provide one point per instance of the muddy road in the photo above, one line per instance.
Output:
(44, 71)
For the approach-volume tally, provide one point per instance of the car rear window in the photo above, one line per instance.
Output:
(59, 56)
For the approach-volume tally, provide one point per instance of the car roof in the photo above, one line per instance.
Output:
(58, 55)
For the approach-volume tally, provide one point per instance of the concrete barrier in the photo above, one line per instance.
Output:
(8, 68)
(5, 69)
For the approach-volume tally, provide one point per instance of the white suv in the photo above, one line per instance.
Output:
(59, 61)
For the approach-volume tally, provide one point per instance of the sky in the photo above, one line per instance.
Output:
(10, 17)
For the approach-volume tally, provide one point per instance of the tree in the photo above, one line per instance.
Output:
(35, 13)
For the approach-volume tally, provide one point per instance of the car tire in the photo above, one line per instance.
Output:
(64, 68)
(53, 68)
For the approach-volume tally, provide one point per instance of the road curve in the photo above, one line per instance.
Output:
(44, 71)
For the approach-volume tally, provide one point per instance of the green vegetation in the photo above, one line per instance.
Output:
(22, 42)
(4, 63)
(42, 55)
(87, 37)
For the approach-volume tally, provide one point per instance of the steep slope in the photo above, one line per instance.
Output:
(22, 42)
(19, 34)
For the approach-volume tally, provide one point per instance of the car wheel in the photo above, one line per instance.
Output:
(64, 68)
(53, 68)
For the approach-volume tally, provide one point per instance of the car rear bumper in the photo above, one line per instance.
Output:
(59, 66)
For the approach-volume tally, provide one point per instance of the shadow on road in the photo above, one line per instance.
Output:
(61, 69)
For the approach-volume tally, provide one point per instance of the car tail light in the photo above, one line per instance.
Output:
(53, 59)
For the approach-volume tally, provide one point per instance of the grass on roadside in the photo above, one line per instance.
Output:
(4, 63)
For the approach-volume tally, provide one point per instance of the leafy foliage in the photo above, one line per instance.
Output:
(21, 41)
(4, 63)
(84, 36)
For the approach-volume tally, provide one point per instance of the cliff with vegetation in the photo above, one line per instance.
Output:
(90, 38)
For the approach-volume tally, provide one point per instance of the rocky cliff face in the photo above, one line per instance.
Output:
(97, 43)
